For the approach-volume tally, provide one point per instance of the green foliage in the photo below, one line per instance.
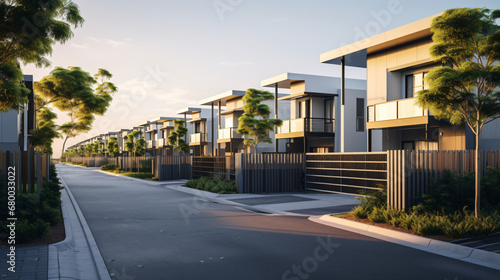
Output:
(33, 219)
(176, 137)
(72, 91)
(47, 130)
(107, 167)
(453, 192)
(131, 144)
(255, 122)
(377, 215)
(140, 147)
(13, 92)
(465, 89)
(112, 147)
(374, 198)
(30, 28)
(212, 185)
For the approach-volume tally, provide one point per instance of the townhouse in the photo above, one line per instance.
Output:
(317, 124)
(15, 125)
(201, 136)
(396, 63)
(229, 141)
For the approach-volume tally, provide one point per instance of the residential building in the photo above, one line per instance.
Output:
(229, 141)
(122, 139)
(396, 63)
(15, 125)
(315, 124)
(156, 131)
(201, 137)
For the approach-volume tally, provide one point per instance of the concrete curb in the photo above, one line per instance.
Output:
(459, 252)
(77, 256)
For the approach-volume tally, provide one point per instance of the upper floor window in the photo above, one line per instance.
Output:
(304, 109)
(329, 110)
(360, 114)
(415, 83)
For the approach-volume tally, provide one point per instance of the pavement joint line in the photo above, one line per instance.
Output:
(447, 249)
(101, 271)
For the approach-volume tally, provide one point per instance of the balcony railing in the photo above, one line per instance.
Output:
(162, 143)
(151, 144)
(320, 125)
(228, 133)
(394, 110)
(198, 138)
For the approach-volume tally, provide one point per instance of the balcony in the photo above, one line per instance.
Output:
(151, 144)
(401, 112)
(197, 138)
(162, 143)
(228, 133)
(305, 125)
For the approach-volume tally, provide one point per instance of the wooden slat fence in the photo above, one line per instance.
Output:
(409, 172)
(346, 172)
(173, 167)
(269, 173)
(215, 167)
(31, 170)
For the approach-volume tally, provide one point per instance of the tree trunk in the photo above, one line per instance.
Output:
(478, 173)
(64, 144)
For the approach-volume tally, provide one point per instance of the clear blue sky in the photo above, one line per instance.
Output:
(200, 48)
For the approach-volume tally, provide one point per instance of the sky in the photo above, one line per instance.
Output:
(166, 55)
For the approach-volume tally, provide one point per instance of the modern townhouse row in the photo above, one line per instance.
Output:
(334, 114)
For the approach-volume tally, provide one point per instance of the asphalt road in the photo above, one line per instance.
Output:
(150, 232)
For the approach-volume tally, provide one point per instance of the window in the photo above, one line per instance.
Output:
(415, 83)
(360, 114)
(409, 86)
(329, 116)
(197, 128)
(304, 109)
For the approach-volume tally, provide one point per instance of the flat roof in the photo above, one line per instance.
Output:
(285, 80)
(355, 52)
(223, 97)
(189, 110)
(159, 119)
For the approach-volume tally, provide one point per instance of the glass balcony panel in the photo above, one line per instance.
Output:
(408, 109)
(386, 111)
(371, 113)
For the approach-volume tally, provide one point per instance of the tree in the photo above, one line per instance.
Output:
(467, 42)
(30, 28)
(113, 146)
(43, 137)
(140, 147)
(13, 92)
(254, 121)
(72, 91)
(176, 137)
(28, 31)
(131, 144)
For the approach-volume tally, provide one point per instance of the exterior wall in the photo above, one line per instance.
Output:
(490, 136)
(377, 64)
(9, 131)
(354, 141)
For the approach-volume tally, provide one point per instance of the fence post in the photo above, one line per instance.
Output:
(238, 172)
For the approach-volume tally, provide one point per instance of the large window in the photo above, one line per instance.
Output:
(415, 83)
(329, 110)
(360, 114)
(304, 109)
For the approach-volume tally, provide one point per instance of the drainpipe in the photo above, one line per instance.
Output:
(212, 132)
(275, 116)
(342, 103)
(219, 126)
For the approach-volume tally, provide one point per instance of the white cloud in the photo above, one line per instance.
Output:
(84, 46)
(113, 43)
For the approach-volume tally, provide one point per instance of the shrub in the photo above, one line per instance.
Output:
(360, 212)
(377, 215)
(212, 185)
(108, 167)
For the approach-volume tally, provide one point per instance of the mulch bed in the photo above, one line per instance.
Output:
(388, 226)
